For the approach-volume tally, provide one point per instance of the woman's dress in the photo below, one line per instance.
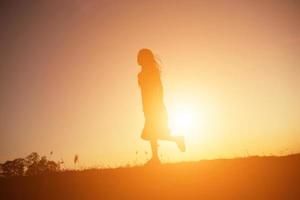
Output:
(156, 117)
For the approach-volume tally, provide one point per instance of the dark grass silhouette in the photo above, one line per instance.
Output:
(241, 178)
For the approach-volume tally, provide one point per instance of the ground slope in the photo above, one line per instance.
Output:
(241, 178)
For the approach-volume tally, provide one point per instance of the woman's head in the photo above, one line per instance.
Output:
(146, 59)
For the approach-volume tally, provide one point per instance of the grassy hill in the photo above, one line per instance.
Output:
(241, 178)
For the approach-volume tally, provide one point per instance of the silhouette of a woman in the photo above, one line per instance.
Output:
(156, 117)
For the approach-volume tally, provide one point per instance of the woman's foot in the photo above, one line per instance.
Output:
(180, 143)
(152, 162)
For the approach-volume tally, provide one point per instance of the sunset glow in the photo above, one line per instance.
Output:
(150, 99)
(182, 120)
(69, 78)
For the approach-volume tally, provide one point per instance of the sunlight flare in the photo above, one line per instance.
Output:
(181, 120)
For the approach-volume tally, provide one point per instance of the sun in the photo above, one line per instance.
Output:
(181, 120)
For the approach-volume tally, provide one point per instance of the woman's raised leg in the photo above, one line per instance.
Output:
(179, 140)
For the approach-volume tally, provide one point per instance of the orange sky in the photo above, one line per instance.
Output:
(69, 77)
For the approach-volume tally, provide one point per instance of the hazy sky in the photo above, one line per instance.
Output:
(69, 77)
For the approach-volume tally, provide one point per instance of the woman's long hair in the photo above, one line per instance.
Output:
(148, 61)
